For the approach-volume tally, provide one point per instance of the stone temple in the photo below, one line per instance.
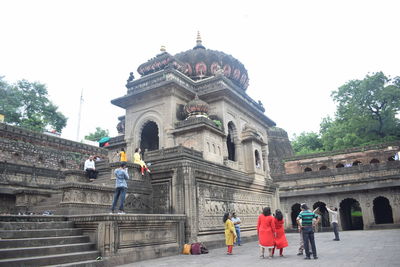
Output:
(212, 150)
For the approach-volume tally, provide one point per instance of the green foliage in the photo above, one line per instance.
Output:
(217, 123)
(97, 135)
(365, 115)
(307, 143)
(26, 104)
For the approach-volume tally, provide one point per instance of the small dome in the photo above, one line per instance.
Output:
(196, 107)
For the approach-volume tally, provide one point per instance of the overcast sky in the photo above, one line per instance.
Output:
(296, 52)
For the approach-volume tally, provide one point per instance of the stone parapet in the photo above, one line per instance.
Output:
(173, 152)
(359, 169)
(133, 237)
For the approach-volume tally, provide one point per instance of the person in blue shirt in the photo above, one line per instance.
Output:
(121, 175)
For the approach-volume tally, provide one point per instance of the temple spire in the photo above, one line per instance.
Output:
(198, 41)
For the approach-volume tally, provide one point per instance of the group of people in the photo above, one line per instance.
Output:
(121, 177)
(137, 159)
(271, 233)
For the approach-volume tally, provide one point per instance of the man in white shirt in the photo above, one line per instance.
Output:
(334, 214)
(236, 222)
(90, 169)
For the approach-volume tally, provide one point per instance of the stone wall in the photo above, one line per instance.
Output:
(279, 148)
(344, 158)
(363, 183)
(183, 183)
(25, 147)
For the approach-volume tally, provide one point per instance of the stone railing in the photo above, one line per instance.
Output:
(340, 171)
(117, 140)
(172, 152)
(195, 121)
(345, 151)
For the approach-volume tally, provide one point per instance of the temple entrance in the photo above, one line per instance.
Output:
(149, 137)
(295, 212)
(230, 142)
(323, 212)
(351, 215)
(382, 210)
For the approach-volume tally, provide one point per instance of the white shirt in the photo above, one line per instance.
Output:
(89, 164)
(334, 215)
(236, 220)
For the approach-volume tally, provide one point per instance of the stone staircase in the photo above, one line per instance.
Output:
(44, 241)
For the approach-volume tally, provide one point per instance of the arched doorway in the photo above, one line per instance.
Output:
(295, 212)
(149, 137)
(257, 158)
(382, 210)
(351, 215)
(323, 212)
(230, 142)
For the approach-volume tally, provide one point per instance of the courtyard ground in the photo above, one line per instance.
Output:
(356, 248)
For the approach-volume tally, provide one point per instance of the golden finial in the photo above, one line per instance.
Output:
(198, 40)
(162, 49)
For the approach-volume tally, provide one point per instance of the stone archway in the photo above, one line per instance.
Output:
(382, 210)
(351, 215)
(323, 212)
(295, 212)
(149, 136)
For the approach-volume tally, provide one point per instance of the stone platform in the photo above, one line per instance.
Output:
(356, 248)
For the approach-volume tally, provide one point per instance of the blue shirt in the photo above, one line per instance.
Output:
(121, 176)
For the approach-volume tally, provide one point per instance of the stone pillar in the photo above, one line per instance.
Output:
(367, 210)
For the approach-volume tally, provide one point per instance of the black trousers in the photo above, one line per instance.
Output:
(91, 174)
(308, 238)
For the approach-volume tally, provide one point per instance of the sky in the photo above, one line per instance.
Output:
(296, 52)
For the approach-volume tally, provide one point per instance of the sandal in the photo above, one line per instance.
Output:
(261, 256)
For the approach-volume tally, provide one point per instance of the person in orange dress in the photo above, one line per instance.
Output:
(280, 240)
(266, 231)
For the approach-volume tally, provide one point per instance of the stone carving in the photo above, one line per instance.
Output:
(214, 200)
(136, 202)
(161, 197)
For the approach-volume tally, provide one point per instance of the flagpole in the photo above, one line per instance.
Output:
(79, 116)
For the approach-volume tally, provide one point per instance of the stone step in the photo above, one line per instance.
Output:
(51, 259)
(23, 252)
(32, 218)
(90, 263)
(42, 241)
(35, 225)
(16, 234)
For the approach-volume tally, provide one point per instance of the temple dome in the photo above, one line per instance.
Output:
(196, 107)
(201, 63)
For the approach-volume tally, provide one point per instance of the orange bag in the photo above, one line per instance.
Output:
(186, 249)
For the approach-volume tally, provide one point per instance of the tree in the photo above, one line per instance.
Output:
(97, 135)
(307, 143)
(26, 104)
(366, 113)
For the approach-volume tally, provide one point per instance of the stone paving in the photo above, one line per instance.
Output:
(356, 248)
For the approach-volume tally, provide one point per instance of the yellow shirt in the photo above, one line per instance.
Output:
(122, 156)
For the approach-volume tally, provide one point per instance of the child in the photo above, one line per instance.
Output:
(122, 155)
